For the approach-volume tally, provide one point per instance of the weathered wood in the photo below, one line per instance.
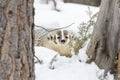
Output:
(87, 2)
(118, 67)
(16, 40)
(105, 43)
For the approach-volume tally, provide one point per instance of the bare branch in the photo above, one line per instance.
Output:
(54, 29)
(42, 28)
(62, 27)
(38, 60)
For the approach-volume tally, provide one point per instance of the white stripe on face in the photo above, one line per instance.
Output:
(62, 35)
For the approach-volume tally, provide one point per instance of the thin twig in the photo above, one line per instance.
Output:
(52, 61)
(54, 29)
(62, 27)
(42, 28)
(38, 60)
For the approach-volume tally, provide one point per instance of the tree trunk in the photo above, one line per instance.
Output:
(118, 67)
(87, 2)
(105, 43)
(16, 40)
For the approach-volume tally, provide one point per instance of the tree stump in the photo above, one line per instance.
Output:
(105, 42)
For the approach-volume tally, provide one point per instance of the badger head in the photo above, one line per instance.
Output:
(61, 37)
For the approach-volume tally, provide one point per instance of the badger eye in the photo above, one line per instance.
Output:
(58, 37)
(66, 37)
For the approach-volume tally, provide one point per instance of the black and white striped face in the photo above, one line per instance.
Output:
(61, 37)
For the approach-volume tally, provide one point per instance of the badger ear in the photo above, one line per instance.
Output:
(72, 36)
(48, 38)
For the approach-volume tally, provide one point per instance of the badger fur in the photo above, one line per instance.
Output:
(59, 41)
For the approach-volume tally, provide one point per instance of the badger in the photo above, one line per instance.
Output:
(59, 41)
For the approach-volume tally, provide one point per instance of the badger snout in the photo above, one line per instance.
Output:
(63, 41)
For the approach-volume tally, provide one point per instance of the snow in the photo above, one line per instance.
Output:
(63, 68)
(69, 13)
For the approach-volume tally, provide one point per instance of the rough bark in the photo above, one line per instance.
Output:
(105, 43)
(118, 68)
(16, 40)
(87, 2)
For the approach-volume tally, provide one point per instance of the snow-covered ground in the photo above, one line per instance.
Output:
(63, 68)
